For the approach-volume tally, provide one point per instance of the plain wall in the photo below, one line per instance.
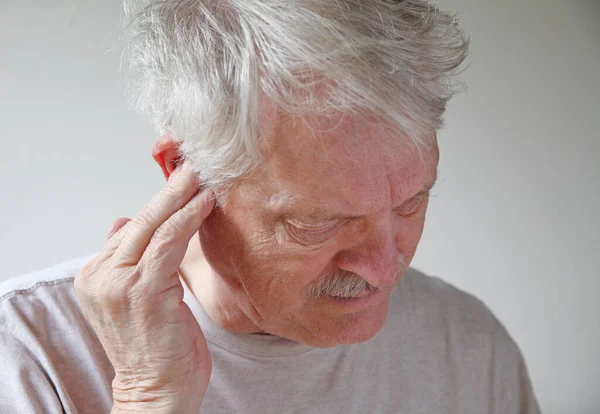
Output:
(515, 220)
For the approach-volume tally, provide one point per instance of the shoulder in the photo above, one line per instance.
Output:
(447, 320)
(35, 302)
(54, 275)
(46, 341)
(437, 327)
(45, 296)
(430, 298)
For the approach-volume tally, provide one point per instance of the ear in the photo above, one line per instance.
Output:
(166, 154)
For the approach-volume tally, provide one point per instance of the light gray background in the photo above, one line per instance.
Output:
(515, 220)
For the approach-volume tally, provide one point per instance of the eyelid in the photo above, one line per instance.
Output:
(316, 227)
(413, 203)
(315, 234)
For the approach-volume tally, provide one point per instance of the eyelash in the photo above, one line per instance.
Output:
(415, 207)
(306, 236)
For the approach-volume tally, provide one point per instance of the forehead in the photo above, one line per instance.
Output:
(346, 165)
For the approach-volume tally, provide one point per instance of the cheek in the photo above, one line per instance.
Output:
(409, 233)
(279, 271)
(221, 243)
(241, 251)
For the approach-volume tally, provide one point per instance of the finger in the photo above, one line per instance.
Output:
(116, 226)
(115, 235)
(178, 191)
(169, 242)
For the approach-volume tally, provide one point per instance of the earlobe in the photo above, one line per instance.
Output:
(166, 154)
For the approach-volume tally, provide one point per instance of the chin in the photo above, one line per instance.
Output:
(351, 328)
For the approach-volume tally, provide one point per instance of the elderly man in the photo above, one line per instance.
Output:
(271, 273)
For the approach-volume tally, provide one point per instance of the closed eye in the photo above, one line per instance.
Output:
(412, 206)
(305, 234)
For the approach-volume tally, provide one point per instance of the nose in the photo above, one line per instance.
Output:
(374, 256)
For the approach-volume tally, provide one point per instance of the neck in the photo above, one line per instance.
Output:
(223, 302)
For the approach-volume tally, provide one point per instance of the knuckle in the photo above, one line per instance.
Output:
(115, 291)
(159, 251)
(170, 230)
(85, 276)
(170, 194)
(110, 247)
(101, 284)
(110, 299)
(145, 218)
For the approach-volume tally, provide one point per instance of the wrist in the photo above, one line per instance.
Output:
(155, 406)
(119, 408)
(154, 396)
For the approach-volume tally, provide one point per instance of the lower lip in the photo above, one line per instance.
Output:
(357, 303)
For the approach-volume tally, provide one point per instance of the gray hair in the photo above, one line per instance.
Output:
(199, 69)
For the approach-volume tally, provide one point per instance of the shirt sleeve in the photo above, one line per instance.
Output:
(24, 386)
(513, 391)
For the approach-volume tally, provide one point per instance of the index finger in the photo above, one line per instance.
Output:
(179, 190)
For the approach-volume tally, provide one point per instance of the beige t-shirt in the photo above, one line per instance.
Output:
(441, 351)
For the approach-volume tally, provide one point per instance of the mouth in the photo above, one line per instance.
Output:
(364, 299)
(363, 294)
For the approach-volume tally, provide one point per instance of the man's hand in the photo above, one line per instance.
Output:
(132, 296)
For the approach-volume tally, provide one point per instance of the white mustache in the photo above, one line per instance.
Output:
(345, 284)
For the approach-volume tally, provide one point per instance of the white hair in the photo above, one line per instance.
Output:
(200, 68)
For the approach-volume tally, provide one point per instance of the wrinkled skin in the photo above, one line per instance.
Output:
(252, 270)
(133, 298)
(252, 262)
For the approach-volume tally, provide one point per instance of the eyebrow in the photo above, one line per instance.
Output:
(316, 215)
(426, 188)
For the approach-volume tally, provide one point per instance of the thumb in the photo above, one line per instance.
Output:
(116, 226)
